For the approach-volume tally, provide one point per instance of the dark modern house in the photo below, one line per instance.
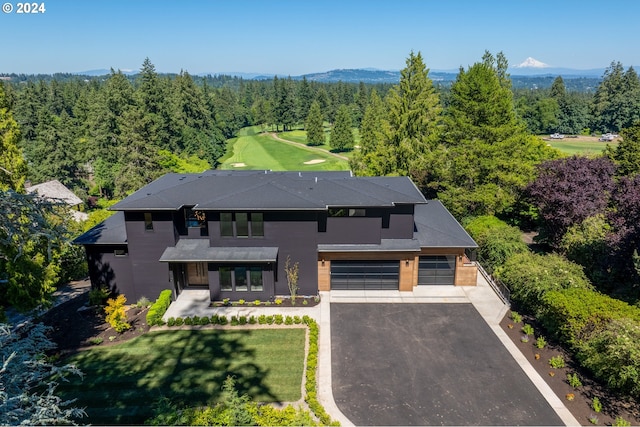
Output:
(232, 232)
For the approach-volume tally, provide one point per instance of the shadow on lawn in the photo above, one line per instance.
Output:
(122, 383)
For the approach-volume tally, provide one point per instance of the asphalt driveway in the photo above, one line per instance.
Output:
(427, 364)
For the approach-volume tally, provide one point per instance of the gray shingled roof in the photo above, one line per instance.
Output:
(265, 190)
(55, 191)
(198, 250)
(437, 228)
(109, 232)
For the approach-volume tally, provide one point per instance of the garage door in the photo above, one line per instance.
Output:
(364, 275)
(437, 270)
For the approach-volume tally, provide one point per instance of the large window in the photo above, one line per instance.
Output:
(241, 224)
(241, 279)
(226, 224)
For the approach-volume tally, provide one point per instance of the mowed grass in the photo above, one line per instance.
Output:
(260, 151)
(572, 147)
(121, 383)
(301, 137)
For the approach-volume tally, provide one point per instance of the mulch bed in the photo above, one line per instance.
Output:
(613, 405)
(77, 326)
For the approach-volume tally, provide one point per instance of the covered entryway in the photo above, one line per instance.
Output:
(355, 275)
(437, 270)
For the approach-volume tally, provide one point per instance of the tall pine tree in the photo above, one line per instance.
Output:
(313, 125)
(341, 138)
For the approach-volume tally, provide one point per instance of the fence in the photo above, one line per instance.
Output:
(498, 287)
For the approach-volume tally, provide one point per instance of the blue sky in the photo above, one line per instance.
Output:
(298, 36)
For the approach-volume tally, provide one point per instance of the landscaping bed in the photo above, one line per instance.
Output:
(614, 407)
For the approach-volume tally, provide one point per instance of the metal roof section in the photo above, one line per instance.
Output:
(198, 250)
(386, 245)
(437, 228)
(111, 231)
(266, 190)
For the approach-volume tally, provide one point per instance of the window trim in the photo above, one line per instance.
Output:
(232, 271)
(253, 224)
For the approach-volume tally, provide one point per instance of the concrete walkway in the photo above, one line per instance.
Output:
(487, 303)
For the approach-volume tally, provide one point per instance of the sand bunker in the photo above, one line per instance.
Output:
(238, 165)
(314, 161)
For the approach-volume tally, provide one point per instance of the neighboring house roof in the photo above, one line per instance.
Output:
(266, 190)
(436, 227)
(55, 191)
(109, 232)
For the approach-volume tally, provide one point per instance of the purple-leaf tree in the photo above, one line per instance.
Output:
(624, 217)
(569, 190)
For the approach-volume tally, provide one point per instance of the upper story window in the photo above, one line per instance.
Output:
(241, 224)
(195, 218)
(344, 212)
(148, 221)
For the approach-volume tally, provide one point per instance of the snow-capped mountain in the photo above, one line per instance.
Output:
(531, 63)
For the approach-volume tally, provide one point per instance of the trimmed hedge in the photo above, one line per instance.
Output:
(529, 276)
(157, 310)
(497, 241)
(574, 316)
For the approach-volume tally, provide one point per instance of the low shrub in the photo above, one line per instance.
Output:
(574, 380)
(556, 362)
(596, 404)
(278, 301)
(541, 342)
(527, 329)
(222, 320)
(262, 319)
(204, 320)
(253, 320)
(215, 319)
(256, 302)
(116, 315)
(157, 310)
(171, 321)
(242, 320)
(195, 320)
(278, 319)
(516, 317)
(143, 302)
(188, 321)
(98, 296)
(179, 321)
(96, 341)
(270, 320)
(297, 320)
(288, 320)
(234, 321)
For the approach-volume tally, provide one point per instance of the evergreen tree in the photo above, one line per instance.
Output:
(616, 102)
(12, 165)
(481, 107)
(304, 98)
(374, 157)
(341, 138)
(313, 125)
(627, 153)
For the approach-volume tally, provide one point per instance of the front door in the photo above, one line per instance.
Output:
(198, 274)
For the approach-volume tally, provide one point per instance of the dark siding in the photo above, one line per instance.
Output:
(145, 248)
(352, 230)
(294, 233)
(107, 269)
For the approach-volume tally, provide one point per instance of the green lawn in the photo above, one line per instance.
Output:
(122, 382)
(301, 137)
(580, 147)
(252, 150)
